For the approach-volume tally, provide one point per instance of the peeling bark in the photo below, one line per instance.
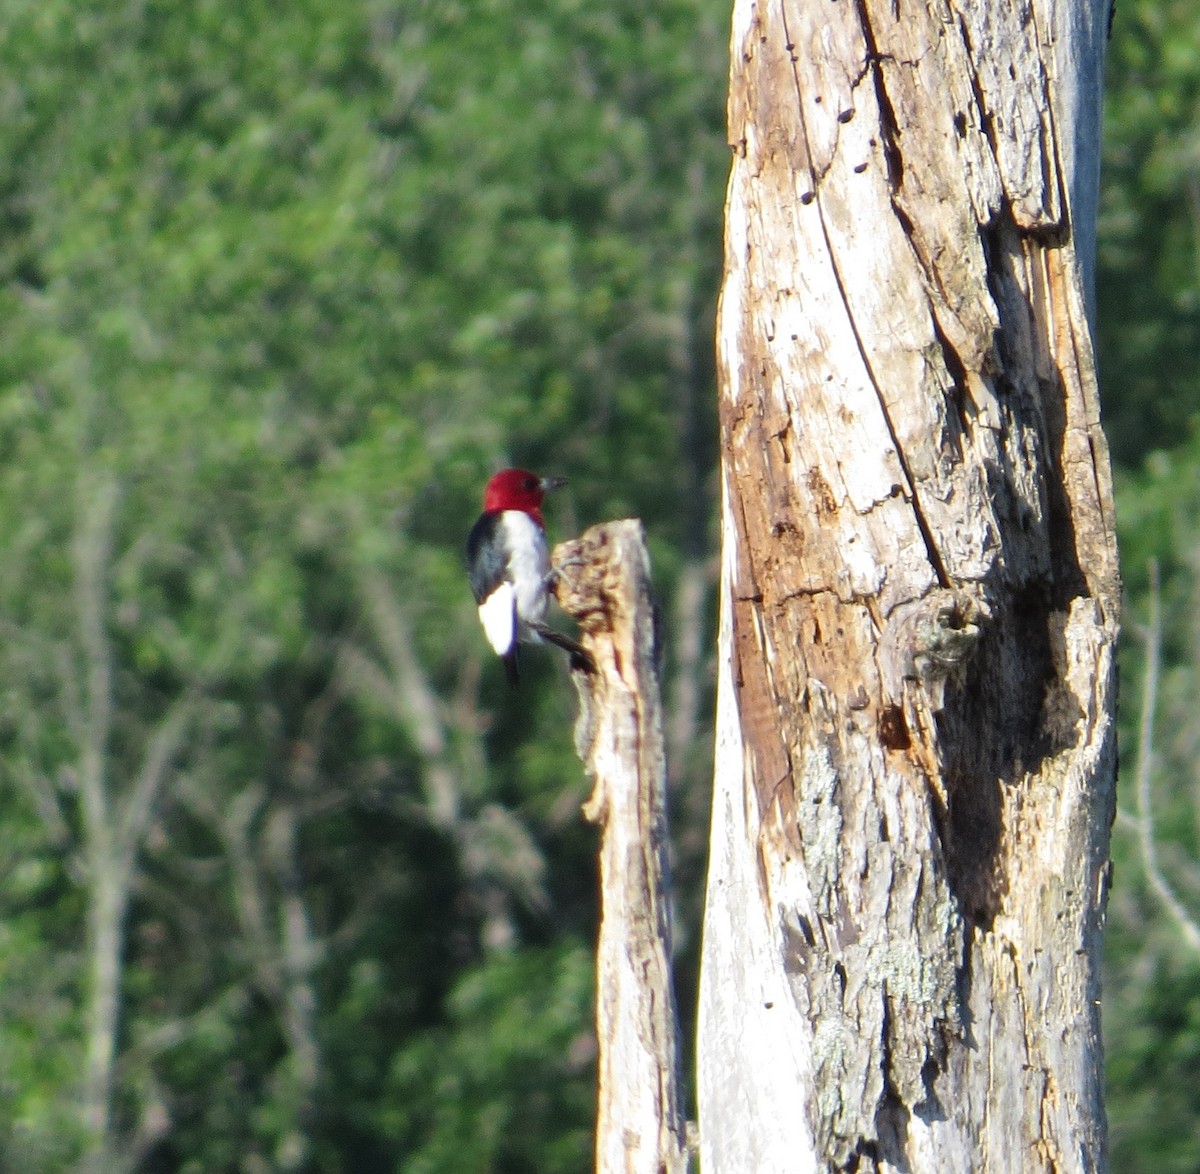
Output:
(915, 749)
(606, 588)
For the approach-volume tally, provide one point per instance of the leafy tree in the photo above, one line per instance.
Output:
(277, 290)
(1153, 947)
(1147, 334)
(1148, 288)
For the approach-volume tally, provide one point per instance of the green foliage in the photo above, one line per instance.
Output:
(288, 282)
(282, 286)
(1149, 334)
(1148, 282)
(510, 1070)
(38, 1008)
(1150, 1023)
(1153, 1119)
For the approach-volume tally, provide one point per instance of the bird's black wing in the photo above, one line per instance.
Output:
(485, 560)
(486, 570)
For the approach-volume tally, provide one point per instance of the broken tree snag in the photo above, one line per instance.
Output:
(915, 754)
(605, 585)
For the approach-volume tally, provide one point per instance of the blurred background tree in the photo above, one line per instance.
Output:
(293, 882)
(1149, 339)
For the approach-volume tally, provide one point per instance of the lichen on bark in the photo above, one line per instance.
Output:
(919, 585)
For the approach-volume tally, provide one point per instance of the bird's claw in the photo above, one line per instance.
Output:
(558, 571)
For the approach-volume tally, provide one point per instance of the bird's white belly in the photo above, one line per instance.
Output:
(529, 564)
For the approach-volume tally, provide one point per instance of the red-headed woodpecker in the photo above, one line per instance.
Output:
(508, 564)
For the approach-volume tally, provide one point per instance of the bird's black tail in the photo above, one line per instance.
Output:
(511, 671)
(581, 659)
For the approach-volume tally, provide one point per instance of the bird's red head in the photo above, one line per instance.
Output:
(519, 489)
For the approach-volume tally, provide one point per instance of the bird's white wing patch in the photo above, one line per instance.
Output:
(498, 615)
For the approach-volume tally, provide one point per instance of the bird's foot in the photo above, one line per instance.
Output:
(559, 571)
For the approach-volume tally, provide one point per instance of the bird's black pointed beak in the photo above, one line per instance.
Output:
(549, 483)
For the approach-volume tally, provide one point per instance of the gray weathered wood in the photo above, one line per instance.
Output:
(605, 585)
(915, 742)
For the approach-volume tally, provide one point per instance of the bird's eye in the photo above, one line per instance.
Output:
(530, 483)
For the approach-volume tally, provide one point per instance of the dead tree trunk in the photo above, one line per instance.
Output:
(915, 743)
(640, 1127)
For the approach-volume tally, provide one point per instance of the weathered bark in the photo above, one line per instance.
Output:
(915, 745)
(606, 587)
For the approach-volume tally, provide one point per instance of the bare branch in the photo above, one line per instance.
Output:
(151, 1044)
(70, 697)
(259, 836)
(136, 809)
(92, 555)
(250, 901)
(415, 701)
(1145, 769)
(45, 796)
(299, 954)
